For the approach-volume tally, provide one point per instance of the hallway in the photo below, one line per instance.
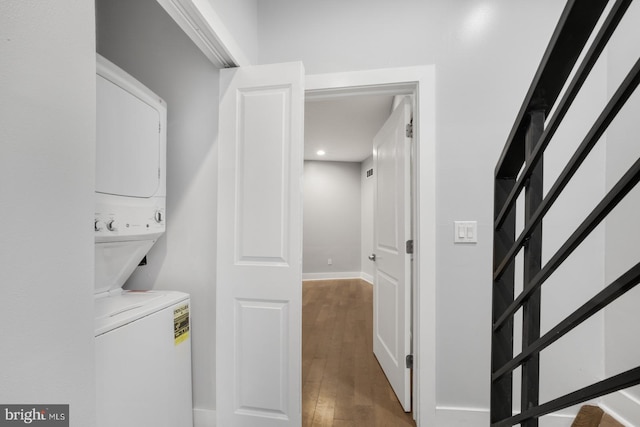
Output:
(342, 382)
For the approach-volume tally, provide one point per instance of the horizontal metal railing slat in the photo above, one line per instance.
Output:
(610, 201)
(591, 57)
(571, 34)
(605, 118)
(616, 289)
(621, 381)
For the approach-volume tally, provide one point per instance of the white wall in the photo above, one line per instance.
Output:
(622, 350)
(139, 37)
(240, 17)
(485, 54)
(331, 226)
(366, 218)
(575, 360)
(47, 148)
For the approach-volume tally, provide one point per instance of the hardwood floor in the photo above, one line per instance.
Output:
(342, 382)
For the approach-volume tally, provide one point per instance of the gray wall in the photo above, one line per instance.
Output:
(47, 149)
(331, 226)
(140, 38)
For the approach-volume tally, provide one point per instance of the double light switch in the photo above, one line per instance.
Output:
(465, 232)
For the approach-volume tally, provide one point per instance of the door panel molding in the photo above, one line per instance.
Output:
(387, 290)
(262, 227)
(264, 331)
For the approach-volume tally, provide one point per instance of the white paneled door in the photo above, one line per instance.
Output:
(392, 272)
(259, 270)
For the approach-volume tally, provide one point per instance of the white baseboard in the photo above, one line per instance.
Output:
(366, 277)
(467, 417)
(623, 407)
(204, 418)
(461, 417)
(329, 276)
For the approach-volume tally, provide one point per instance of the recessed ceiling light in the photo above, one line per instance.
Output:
(320, 152)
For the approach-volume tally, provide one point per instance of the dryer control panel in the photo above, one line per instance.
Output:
(129, 219)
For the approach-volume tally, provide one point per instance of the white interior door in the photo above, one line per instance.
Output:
(392, 271)
(259, 279)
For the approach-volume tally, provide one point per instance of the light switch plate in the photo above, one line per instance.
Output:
(465, 232)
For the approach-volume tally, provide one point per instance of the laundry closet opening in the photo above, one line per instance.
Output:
(342, 379)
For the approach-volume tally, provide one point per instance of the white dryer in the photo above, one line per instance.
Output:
(142, 344)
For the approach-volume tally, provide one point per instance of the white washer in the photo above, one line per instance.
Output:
(143, 360)
(142, 344)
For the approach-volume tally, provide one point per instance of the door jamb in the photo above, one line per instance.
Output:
(419, 81)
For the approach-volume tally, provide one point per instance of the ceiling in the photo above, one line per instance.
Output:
(344, 127)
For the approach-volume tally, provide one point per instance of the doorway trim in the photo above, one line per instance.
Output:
(419, 81)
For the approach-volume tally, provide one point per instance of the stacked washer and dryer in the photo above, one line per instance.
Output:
(142, 344)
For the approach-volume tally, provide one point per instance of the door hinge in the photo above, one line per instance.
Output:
(409, 361)
(409, 129)
(409, 246)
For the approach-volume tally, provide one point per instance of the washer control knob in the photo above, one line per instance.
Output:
(98, 225)
(112, 225)
(159, 216)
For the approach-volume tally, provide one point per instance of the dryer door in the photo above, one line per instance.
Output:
(128, 142)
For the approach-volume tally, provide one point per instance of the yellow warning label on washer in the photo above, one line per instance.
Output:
(181, 323)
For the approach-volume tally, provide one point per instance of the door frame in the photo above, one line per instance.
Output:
(205, 28)
(420, 82)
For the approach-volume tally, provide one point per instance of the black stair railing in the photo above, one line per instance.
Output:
(520, 168)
